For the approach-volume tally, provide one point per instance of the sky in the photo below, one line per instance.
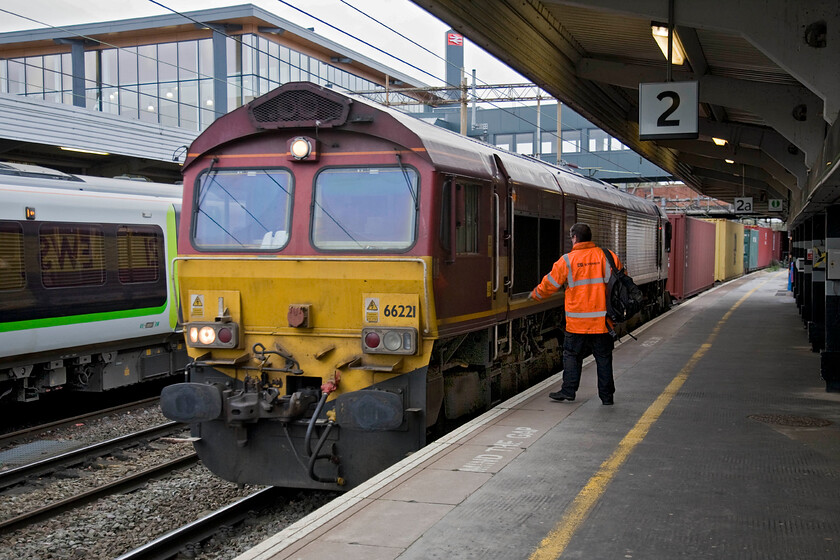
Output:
(401, 15)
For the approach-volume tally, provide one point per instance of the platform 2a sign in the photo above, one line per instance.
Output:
(668, 111)
(743, 204)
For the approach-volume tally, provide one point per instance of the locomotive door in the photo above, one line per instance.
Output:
(464, 285)
(502, 238)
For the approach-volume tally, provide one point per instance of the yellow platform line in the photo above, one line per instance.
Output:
(553, 545)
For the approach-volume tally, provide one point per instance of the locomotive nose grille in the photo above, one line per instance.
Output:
(299, 108)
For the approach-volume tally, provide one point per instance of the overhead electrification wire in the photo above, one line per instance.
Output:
(557, 134)
(331, 26)
(136, 89)
(523, 119)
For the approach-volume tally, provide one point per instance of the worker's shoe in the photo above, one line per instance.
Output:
(561, 396)
(608, 401)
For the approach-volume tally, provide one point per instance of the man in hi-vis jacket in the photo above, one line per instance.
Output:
(585, 272)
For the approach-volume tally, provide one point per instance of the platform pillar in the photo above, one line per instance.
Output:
(807, 271)
(830, 357)
(816, 326)
(799, 276)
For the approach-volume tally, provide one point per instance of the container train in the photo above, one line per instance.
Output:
(85, 298)
(706, 251)
(353, 278)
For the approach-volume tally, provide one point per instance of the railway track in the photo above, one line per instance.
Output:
(84, 455)
(122, 485)
(20, 474)
(11, 438)
(171, 544)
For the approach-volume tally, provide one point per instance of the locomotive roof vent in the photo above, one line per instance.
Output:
(299, 104)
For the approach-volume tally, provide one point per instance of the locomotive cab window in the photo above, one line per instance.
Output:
(243, 209)
(365, 209)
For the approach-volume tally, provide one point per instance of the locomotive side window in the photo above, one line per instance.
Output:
(72, 255)
(139, 249)
(12, 272)
(466, 234)
(365, 208)
(243, 209)
(467, 202)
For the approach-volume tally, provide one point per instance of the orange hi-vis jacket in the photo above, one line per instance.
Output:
(585, 271)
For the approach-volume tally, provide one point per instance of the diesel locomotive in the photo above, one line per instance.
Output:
(353, 278)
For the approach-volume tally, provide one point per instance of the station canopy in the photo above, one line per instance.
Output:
(768, 89)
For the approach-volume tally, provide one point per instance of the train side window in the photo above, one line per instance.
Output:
(445, 214)
(72, 255)
(139, 253)
(466, 202)
(12, 271)
(466, 233)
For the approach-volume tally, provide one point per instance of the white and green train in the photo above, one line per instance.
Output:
(86, 291)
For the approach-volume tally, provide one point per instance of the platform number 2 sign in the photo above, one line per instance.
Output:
(668, 110)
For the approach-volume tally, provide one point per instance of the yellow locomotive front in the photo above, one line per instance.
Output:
(308, 311)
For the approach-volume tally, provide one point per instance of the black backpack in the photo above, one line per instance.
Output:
(624, 298)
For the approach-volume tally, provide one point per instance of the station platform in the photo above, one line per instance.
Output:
(722, 443)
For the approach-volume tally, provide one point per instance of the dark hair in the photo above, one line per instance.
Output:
(581, 231)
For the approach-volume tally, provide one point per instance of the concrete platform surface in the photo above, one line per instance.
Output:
(722, 443)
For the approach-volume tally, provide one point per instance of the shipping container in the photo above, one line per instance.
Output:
(776, 249)
(765, 247)
(729, 249)
(750, 248)
(691, 262)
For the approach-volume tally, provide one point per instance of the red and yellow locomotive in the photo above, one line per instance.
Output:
(353, 276)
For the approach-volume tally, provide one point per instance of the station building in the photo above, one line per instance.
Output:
(132, 94)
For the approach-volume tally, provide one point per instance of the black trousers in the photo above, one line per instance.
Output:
(575, 347)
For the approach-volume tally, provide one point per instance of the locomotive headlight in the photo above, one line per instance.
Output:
(300, 148)
(207, 335)
(393, 341)
(218, 334)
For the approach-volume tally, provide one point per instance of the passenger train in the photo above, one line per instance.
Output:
(353, 278)
(86, 301)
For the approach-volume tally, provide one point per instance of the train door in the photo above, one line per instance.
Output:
(465, 282)
(503, 271)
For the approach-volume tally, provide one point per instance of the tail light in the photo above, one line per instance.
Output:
(391, 340)
(212, 335)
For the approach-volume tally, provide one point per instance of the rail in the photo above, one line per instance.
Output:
(7, 439)
(122, 485)
(169, 545)
(17, 475)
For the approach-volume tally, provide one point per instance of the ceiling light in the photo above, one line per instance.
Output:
(719, 141)
(83, 151)
(729, 160)
(660, 35)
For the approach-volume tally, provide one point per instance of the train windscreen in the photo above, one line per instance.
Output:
(242, 209)
(365, 208)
